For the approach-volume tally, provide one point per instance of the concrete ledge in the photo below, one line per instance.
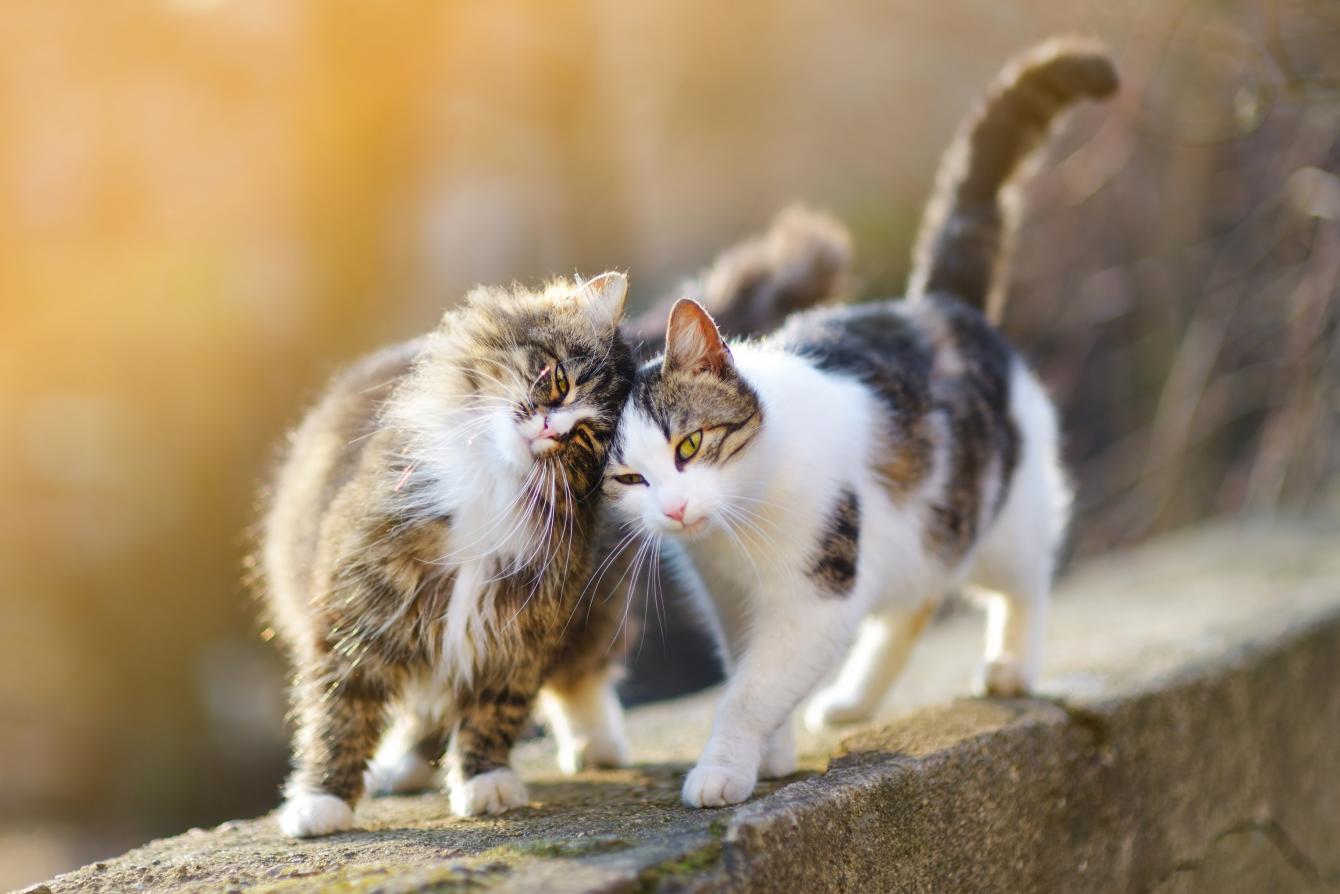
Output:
(1188, 741)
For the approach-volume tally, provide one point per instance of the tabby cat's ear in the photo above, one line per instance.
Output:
(692, 342)
(602, 299)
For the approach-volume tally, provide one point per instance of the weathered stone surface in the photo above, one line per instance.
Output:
(1188, 740)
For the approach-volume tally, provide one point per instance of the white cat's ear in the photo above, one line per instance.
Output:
(692, 342)
(602, 299)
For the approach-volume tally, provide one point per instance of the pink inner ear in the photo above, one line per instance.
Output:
(716, 357)
(693, 341)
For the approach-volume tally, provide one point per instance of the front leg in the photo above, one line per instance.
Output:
(788, 651)
(340, 713)
(480, 776)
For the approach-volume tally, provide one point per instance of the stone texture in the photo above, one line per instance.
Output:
(1186, 741)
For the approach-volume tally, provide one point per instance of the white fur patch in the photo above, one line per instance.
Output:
(587, 723)
(312, 814)
(397, 774)
(494, 792)
(717, 786)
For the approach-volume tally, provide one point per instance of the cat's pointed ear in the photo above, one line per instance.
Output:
(692, 342)
(602, 299)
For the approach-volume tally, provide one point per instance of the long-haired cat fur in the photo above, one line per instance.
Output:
(430, 535)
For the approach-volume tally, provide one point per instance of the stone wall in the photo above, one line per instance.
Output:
(1187, 740)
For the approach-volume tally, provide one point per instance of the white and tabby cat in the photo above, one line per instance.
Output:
(844, 474)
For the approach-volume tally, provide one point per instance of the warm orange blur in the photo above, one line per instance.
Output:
(205, 205)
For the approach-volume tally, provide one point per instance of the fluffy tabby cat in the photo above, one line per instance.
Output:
(431, 531)
(430, 536)
(847, 472)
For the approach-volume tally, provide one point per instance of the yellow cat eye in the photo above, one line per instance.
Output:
(561, 381)
(630, 479)
(689, 446)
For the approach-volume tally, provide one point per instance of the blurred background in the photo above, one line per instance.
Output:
(207, 205)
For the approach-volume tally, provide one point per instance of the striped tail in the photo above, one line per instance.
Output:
(970, 219)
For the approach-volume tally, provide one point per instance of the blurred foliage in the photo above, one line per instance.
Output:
(206, 205)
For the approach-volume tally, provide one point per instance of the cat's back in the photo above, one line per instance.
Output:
(945, 376)
(910, 352)
(323, 454)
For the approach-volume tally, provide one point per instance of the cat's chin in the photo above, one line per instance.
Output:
(514, 451)
(692, 531)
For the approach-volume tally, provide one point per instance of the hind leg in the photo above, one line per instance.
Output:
(1015, 563)
(579, 702)
(586, 719)
(407, 758)
(882, 648)
(1015, 624)
(1012, 575)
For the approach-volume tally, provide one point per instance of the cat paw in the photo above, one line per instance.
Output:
(1005, 678)
(609, 749)
(831, 708)
(395, 776)
(779, 758)
(494, 792)
(311, 814)
(716, 786)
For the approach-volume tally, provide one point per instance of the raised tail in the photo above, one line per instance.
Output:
(803, 260)
(970, 219)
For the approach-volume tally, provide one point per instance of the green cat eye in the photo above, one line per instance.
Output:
(630, 479)
(560, 381)
(689, 446)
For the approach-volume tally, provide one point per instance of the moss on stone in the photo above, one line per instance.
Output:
(569, 848)
(446, 878)
(680, 869)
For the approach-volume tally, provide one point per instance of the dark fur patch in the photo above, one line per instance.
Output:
(890, 354)
(834, 567)
(937, 366)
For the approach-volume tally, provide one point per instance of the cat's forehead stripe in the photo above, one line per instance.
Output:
(680, 402)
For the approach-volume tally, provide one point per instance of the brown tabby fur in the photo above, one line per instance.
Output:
(356, 544)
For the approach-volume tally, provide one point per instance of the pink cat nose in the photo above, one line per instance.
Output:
(548, 432)
(677, 513)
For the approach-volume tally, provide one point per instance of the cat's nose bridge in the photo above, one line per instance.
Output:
(555, 423)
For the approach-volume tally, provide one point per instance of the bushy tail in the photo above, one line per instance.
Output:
(970, 219)
(804, 259)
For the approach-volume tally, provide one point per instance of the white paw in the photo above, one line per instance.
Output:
(493, 792)
(717, 786)
(779, 758)
(1006, 678)
(607, 749)
(407, 773)
(309, 814)
(832, 708)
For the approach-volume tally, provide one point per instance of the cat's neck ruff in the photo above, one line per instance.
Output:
(493, 506)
